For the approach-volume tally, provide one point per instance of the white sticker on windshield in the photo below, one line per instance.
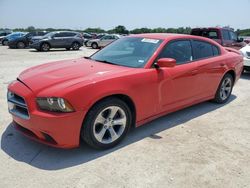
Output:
(150, 40)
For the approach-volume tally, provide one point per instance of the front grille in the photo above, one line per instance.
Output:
(248, 54)
(17, 106)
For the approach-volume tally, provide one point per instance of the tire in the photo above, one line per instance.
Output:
(100, 130)
(75, 46)
(68, 49)
(224, 90)
(44, 47)
(94, 45)
(20, 45)
(4, 42)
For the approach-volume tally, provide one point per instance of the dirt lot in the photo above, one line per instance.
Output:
(207, 145)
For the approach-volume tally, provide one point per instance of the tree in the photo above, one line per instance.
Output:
(30, 29)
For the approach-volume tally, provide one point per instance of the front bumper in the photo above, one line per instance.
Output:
(246, 62)
(35, 45)
(12, 44)
(55, 129)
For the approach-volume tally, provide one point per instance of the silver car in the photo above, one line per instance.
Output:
(102, 42)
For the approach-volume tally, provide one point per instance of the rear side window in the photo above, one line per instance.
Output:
(233, 36)
(202, 50)
(181, 51)
(225, 35)
(216, 50)
(70, 34)
(213, 35)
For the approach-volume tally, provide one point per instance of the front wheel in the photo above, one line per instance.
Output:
(45, 47)
(94, 45)
(106, 124)
(5, 42)
(224, 90)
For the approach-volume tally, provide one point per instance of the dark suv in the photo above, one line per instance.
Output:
(58, 39)
(23, 42)
(224, 36)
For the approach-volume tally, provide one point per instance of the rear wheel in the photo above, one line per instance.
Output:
(45, 47)
(106, 124)
(75, 46)
(94, 45)
(225, 89)
(20, 45)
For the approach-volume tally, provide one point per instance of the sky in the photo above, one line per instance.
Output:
(81, 14)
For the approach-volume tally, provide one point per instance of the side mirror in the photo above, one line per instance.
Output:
(165, 62)
(240, 40)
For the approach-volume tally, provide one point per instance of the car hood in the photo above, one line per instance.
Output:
(67, 73)
(37, 37)
(245, 49)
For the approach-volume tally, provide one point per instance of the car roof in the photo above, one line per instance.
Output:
(164, 36)
(212, 28)
(172, 36)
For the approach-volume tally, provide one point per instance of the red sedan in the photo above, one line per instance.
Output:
(128, 83)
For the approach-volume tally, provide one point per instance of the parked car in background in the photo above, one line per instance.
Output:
(24, 41)
(102, 42)
(246, 53)
(130, 82)
(58, 39)
(224, 36)
(3, 34)
(247, 40)
(12, 36)
(86, 37)
(94, 36)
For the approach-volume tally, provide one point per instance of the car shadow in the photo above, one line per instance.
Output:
(44, 157)
(55, 50)
(245, 75)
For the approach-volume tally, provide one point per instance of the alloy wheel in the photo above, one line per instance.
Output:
(109, 124)
(226, 88)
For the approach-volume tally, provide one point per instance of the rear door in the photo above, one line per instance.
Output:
(210, 66)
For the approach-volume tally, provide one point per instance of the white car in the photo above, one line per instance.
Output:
(246, 53)
(102, 42)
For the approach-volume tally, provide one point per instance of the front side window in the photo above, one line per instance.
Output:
(181, 51)
(202, 50)
(128, 51)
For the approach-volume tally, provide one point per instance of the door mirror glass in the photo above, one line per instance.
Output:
(240, 39)
(166, 62)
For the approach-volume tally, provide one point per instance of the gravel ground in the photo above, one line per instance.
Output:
(207, 145)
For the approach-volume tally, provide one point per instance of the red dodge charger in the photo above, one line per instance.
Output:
(126, 84)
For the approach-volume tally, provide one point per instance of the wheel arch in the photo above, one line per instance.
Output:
(232, 73)
(125, 98)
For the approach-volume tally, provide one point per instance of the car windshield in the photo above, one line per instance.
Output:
(129, 51)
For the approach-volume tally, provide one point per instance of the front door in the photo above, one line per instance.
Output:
(177, 85)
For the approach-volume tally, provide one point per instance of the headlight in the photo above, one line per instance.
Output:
(242, 54)
(54, 104)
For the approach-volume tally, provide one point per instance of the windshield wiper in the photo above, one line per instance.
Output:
(105, 61)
